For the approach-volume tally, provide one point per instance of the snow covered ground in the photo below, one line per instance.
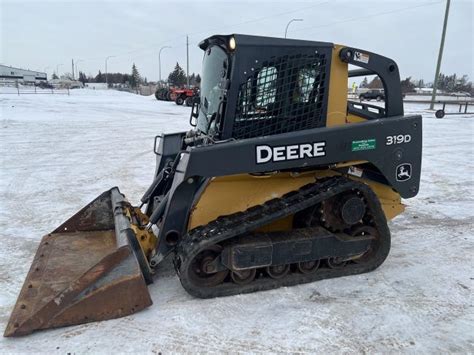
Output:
(59, 152)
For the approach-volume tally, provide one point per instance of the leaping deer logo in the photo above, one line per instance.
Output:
(403, 172)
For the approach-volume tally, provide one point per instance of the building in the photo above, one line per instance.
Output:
(21, 75)
(425, 91)
(96, 86)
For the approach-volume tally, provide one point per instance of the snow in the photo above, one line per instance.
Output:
(58, 152)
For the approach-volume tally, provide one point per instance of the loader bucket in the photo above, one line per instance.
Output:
(90, 268)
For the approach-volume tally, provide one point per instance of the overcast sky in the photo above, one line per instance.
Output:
(41, 34)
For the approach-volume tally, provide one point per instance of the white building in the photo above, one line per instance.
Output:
(96, 86)
(21, 75)
(425, 90)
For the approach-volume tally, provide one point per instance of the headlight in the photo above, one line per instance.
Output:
(232, 43)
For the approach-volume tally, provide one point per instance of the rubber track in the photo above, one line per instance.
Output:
(230, 226)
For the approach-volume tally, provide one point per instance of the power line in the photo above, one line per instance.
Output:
(147, 50)
(367, 16)
(259, 19)
(265, 17)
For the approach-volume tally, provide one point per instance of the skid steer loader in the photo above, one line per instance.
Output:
(282, 181)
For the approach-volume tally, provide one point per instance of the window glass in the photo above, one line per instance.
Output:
(214, 70)
(266, 86)
(305, 84)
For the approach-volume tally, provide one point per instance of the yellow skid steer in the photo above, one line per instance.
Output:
(281, 180)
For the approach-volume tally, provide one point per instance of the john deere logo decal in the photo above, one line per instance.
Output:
(404, 172)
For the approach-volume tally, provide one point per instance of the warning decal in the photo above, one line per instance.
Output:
(361, 57)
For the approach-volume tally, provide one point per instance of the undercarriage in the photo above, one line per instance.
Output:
(229, 256)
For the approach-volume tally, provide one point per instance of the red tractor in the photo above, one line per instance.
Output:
(184, 95)
(179, 95)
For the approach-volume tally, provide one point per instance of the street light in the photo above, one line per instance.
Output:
(106, 79)
(159, 61)
(292, 20)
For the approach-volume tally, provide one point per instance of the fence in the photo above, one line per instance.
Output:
(16, 89)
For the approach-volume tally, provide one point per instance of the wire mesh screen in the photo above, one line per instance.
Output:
(284, 94)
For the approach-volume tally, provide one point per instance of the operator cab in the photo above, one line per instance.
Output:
(260, 86)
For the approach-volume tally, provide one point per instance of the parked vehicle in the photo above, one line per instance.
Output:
(179, 95)
(44, 85)
(162, 94)
(461, 94)
(372, 95)
(184, 95)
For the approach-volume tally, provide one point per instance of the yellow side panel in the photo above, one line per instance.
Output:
(337, 101)
(391, 201)
(230, 194)
(355, 119)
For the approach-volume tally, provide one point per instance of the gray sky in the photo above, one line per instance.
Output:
(40, 34)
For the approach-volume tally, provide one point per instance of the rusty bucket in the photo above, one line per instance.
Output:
(90, 268)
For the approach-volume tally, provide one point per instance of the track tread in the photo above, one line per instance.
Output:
(230, 226)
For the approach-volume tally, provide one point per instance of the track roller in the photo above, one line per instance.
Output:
(277, 271)
(308, 267)
(198, 272)
(243, 277)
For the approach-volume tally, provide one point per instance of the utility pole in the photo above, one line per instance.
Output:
(440, 55)
(73, 78)
(187, 60)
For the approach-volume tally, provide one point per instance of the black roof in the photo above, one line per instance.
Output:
(248, 40)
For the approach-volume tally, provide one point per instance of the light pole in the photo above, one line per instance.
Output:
(288, 24)
(106, 79)
(57, 69)
(187, 62)
(440, 55)
(159, 61)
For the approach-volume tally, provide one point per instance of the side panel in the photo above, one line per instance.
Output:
(373, 141)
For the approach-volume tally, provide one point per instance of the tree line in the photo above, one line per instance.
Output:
(447, 83)
(177, 77)
(132, 79)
